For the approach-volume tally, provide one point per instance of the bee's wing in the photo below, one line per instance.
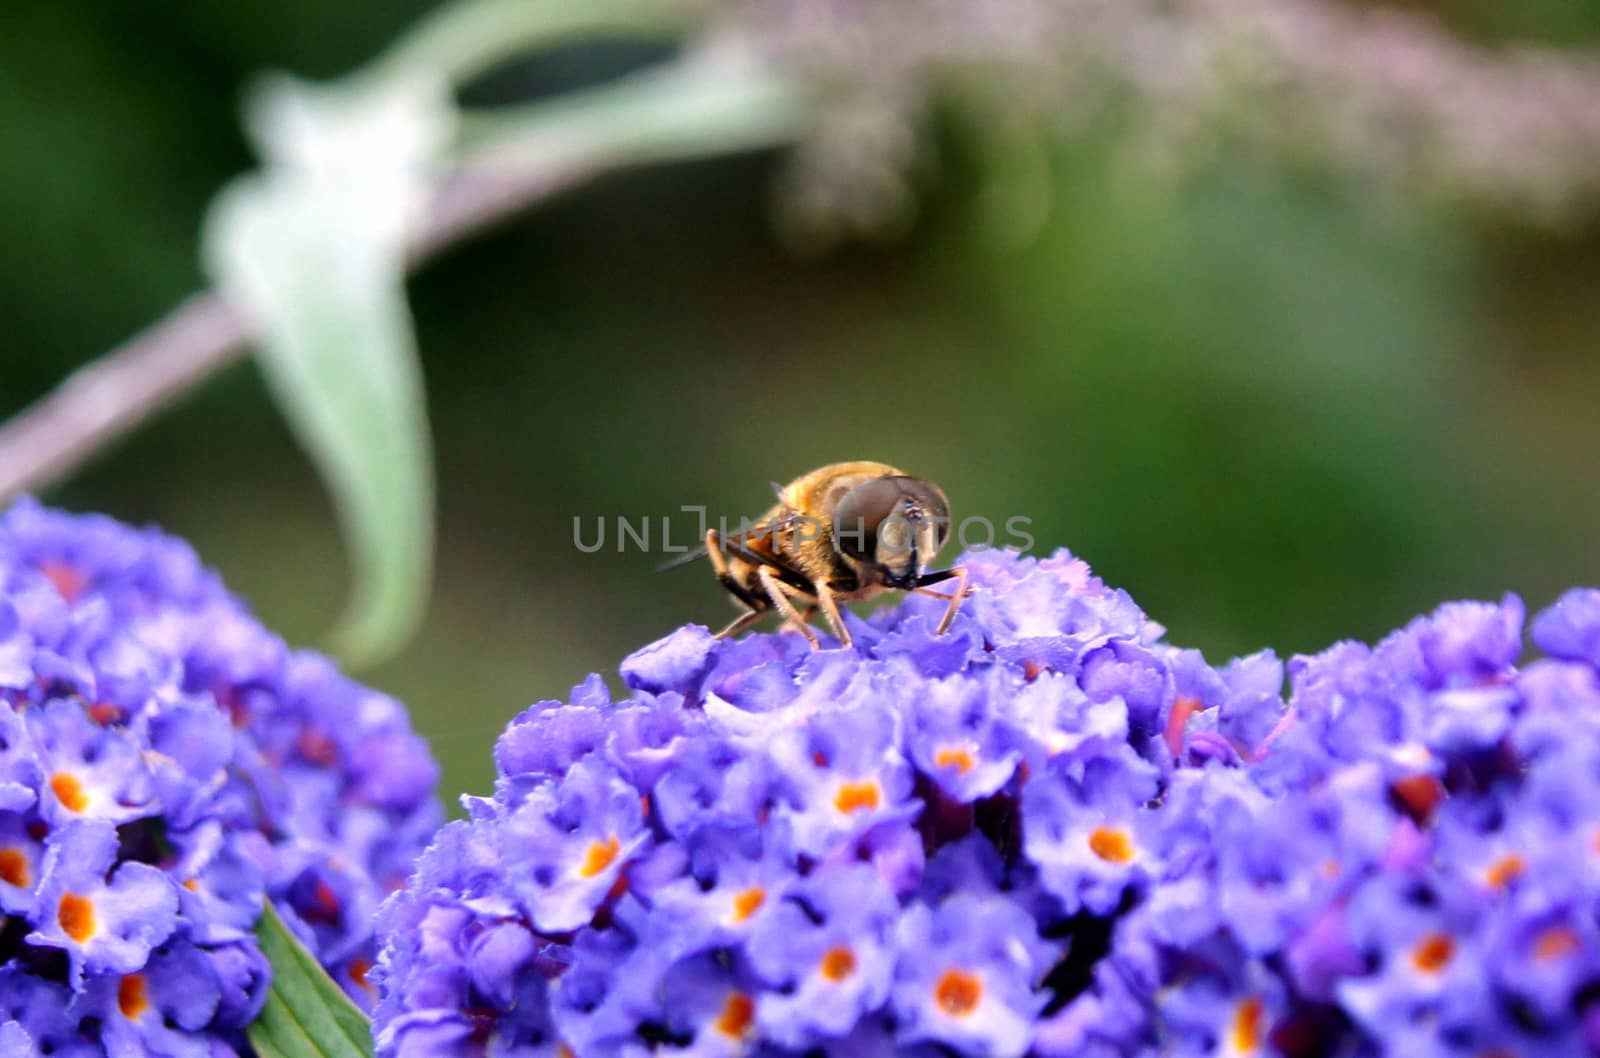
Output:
(755, 544)
(741, 543)
(683, 560)
(750, 544)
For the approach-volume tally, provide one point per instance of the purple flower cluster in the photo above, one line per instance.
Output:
(1046, 832)
(165, 765)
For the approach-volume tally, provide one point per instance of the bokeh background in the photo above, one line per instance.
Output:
(1276, 411)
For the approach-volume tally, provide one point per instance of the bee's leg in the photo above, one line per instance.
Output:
(719, 563)
(777, 591)
(935, 578)
(740, 623)
(830, 610)
(959, 574)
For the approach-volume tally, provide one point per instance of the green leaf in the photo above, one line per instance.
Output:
(313, 249)
(306, 1015)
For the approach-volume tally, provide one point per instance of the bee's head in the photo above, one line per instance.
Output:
(893, 525)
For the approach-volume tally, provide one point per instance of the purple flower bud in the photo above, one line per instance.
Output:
(1571, 628)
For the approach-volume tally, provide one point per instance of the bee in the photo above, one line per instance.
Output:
(842, 533)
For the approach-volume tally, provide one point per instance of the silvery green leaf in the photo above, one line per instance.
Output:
(312, 248)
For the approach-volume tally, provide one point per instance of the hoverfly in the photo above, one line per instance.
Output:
(842, 533)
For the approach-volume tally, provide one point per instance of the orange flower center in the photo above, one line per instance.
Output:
(131, 996)
(1111, 844)
(1419, 795)
(327, 900)
(838, 963)
(737, 1013)
(69, 791)
(76, 916)
(1500, 874)
(14, 868)
(599, 857)
(318, 747)
(1178, 719)
(1555, 942)
(66, 580)
(359, 968)
(855, 796)
(958, 758)
(957, 993)
(1247, 1025)
(1432, 953)
(104, 713)
(748, 902)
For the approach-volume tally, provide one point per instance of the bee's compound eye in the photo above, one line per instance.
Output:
(894, 534)
(934, 507)
(860, 515)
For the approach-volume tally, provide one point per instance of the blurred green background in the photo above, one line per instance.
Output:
(1276, 412)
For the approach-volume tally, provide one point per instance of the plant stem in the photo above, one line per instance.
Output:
(470, 37)
(108, 397)
(702, 105)
(689, 109)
